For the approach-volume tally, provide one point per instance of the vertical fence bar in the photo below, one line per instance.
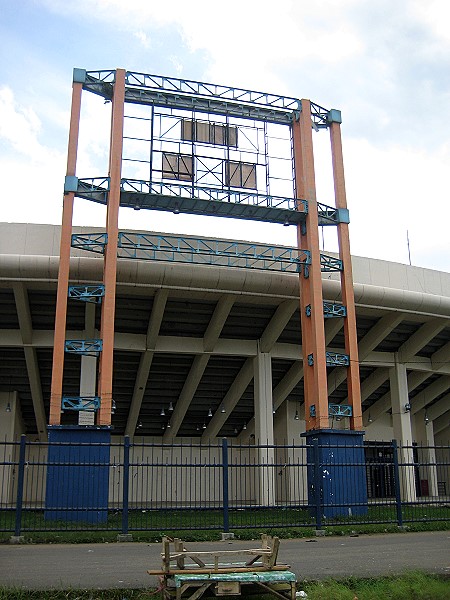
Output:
(125, 483)
(398, 496)
(226, 521)
(317, 482)
(20, 480)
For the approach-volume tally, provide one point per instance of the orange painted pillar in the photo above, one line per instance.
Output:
(64, 264)
(110, 261)
(348, 297)
(313, 329)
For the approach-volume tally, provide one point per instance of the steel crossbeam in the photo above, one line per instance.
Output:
(93, 242)
(334, 359)
(334, 410)
(330, 310)
(142, 88)
(340, 410)
(228, 253)
(84, 347)
(193, 199)
(211, 251)
(88, 403)
(87, 293)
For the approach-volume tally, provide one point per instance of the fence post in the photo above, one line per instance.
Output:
(317, 482)
(226, 522)
(125, 483)
(398, 496)
(20, 480)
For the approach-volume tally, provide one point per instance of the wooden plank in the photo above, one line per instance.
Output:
(219, 570)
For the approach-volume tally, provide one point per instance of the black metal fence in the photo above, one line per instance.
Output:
(192, 486)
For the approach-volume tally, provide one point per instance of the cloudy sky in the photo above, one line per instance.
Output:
(384, 64)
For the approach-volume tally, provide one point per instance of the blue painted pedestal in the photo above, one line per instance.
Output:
(78, 474)
(336, 473)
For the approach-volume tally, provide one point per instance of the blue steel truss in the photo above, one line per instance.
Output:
(88, 403)
(334, 410)
(229, 253)
(142, 88)
(330, 310)
(192, 199)
(216, 202)
(87, 293)
(340, 410)
(84, 347)
(334, 359)
(93, 242)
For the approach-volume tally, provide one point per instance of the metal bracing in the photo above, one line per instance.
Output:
(84, 347)
(195, 199)
(333, 359)
(330, 310)
(334, 410)
(228, 253)
(87, 293)
(88, 403)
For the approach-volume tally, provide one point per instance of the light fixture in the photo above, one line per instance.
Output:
(222, 410)
(139, 425)
(198, 428)
(113, 407)
(8, 407)
(370, 420)
(296, 417)
(168, 425)
(407, 407)
(273, 409)
(245, 426)
(235, 431)
(176, 209)
(210, 412)
(204, 425)
(426, 418)
(286, 222)
(162, 413)
(137, 207)
(171, 406)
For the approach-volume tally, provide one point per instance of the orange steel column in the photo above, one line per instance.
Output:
(110, 262)
(64, 264)
(313, 330)
(348, 297)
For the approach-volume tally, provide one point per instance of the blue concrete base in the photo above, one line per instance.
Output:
(336, 473)
(78, 474)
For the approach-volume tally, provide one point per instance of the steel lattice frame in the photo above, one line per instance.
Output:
(230, 107)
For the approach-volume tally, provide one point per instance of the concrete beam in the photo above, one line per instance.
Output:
(154, 324)
(26, 331)
(212, 333)
(368, 343)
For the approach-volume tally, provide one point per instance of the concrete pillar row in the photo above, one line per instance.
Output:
(264, 427)
(401, 421)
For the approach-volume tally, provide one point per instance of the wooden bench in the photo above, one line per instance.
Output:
(190, 574)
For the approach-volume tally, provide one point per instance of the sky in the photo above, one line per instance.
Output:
(384, 64)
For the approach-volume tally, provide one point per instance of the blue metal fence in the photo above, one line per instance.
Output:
(224, 486)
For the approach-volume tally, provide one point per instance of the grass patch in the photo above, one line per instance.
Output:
(206, 525)
(409, 586)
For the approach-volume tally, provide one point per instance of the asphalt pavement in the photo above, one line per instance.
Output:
(124, 565)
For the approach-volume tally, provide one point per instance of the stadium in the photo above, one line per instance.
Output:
(167, 339)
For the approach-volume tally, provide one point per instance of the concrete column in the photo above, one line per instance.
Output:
(427, 453)
(264, 426)
(401, 420)
(10, 429)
